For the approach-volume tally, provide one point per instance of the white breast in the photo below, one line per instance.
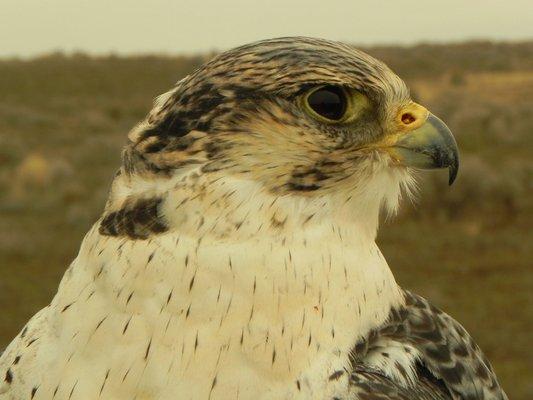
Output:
(173, 317)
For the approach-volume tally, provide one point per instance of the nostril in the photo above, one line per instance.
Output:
(408, 118)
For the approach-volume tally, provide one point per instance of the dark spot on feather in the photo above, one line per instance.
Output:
(482, 371)
(136, 220)
(191, 284)
(67, 307)
(308, 218)
(72, 390)
(100, 323)
(213, 384)
(296, 187)
(55, 391)
(147, 353)
(360, 347)
(104, 382)
(126, 374)
(460, 350)
(126, 326)
(9, 376)
(172, 124)
(150, 257)
(336, 375)
(452, 375)
(440, 353)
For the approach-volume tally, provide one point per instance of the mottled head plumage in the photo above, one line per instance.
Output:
(240, 112)
(242, 116)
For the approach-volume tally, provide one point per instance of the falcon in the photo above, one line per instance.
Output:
(236, 255)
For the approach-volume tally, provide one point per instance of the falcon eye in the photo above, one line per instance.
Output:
(328, 102)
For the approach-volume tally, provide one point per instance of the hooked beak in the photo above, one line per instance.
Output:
(424, 142)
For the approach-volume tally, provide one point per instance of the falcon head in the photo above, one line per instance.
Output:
(295, 118)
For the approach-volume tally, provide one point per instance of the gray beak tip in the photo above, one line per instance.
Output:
(452, 171)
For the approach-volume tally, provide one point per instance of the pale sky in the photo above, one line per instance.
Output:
(32, 27)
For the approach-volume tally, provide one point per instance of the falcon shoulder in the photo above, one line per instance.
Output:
(450, 365)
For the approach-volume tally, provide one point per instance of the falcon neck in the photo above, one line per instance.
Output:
(288, 283)
(230, 209)
(314, 250)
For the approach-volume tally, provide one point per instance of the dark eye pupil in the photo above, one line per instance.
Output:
(328, 102)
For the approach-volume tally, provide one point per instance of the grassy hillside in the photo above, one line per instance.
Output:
(64, 119)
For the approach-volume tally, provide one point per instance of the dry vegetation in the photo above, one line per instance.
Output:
(64, 119)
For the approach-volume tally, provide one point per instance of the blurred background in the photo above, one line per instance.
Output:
(75, 76)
